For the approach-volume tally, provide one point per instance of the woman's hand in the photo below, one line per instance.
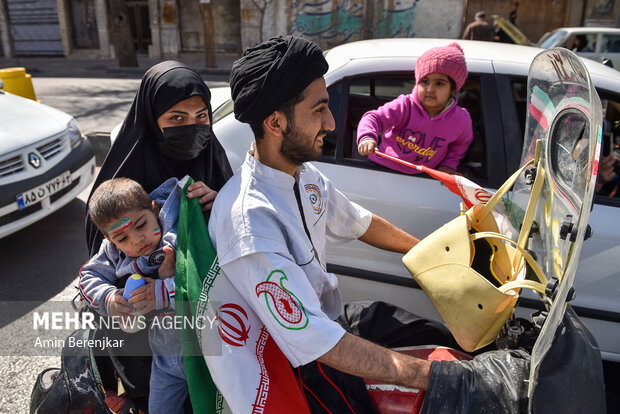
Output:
(205, 195)
(367, 147)
(168, 267)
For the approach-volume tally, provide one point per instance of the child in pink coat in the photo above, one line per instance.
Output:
(426, 126)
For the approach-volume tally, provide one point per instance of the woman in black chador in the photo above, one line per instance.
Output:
(167, 133)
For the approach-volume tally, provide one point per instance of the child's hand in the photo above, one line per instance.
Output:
(119, 307)
(367, 147)
(143, 298)
(168, 267)
(200, 189)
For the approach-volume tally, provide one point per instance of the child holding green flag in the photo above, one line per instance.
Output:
(141, 237)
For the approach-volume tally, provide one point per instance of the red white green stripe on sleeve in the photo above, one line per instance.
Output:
(89, 299)
(107, 300)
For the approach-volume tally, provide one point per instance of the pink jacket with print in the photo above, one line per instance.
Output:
(409, 133)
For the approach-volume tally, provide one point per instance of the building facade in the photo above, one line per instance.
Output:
(167, 28)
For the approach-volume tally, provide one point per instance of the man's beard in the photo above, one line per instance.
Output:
(295, 149)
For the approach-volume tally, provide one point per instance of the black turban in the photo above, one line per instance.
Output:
(271, 73)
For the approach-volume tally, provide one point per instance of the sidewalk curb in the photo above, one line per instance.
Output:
(140, 71)
(92, 67)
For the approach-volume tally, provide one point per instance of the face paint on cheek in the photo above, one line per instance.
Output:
(156, 231)
(123, 224)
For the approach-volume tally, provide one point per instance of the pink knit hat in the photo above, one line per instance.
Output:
(448, 60)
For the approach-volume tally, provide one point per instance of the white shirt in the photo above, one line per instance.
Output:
(279, 281)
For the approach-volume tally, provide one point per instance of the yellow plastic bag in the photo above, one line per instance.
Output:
(472, 273)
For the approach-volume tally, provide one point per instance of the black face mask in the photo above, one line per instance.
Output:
(184, 142)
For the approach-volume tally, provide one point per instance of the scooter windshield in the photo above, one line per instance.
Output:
(563, 132)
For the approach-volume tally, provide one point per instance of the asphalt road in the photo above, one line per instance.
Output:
(97, 104)
(39, 264)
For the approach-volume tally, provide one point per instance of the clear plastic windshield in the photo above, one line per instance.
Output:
(552, 40)
(564, 114)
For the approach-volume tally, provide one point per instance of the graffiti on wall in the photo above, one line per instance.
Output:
(320, 22)
(333, 22)
(604, 7)
(395, 21)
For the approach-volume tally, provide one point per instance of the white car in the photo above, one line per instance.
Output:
(596, 43)
(364, 75)
(45, 162)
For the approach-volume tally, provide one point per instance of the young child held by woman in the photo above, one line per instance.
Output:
(141, 237)
(426, 126)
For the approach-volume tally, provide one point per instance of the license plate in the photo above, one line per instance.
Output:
(34, 195)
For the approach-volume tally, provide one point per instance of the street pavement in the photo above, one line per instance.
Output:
(63, 252)
(59, 82)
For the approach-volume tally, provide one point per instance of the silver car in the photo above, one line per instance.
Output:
(596, 43)
(45, 162)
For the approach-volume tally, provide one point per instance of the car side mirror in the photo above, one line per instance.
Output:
(606, 61)
(1, 84)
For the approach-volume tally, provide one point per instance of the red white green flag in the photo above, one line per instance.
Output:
(470, 192)
(242, 358)
(195, 256)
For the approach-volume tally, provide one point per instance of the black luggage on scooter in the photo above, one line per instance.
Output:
(80, 384)
(570, 379)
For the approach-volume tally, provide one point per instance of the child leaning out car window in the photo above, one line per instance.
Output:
(426, 126)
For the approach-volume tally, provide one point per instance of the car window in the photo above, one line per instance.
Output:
(581, 43)
(370, 92)
(366, 93)
(335, 105)
(384, 88)
(519, 94)
(472, 165)
(611, 43)
(609, 193)
(552, 40)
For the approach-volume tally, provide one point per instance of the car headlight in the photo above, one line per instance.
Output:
(74, 134)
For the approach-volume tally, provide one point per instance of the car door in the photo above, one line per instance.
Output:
(589, 45)
(610, 48)
(598, 275)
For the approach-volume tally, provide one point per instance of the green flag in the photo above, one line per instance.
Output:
(196, 257)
